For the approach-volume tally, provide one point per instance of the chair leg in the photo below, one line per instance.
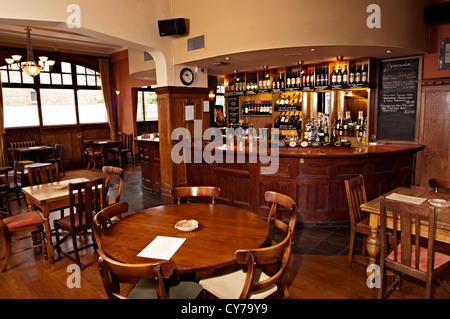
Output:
(352, 244)
(75, 249)
(18, 198)
(7, 248)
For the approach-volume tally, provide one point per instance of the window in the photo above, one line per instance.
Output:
(91, 106)
(147, 107)
(20, 108)
(58, 107)
(59, 94)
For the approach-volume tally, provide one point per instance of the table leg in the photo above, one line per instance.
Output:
(48, 235)
(373, 242)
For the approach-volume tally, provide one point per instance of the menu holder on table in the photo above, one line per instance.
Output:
(162, 247)
(406, 198)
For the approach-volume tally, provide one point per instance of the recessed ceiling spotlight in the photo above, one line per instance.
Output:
(227, 58)
(388, 51)
(313, 50)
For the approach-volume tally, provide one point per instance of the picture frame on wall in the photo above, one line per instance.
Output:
(444, 54)
(189, 112)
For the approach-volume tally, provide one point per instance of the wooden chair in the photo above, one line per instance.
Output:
(195, 191)
(152, 284)
(43, 174)
(85, 200)
(93, 155)
(407, 256)
(18, 182)
(106, 217)
(127, 147)
(253, 281)
(111, 173)
(440, 184)
(355, 189)
(17, 225)
(58, 154)
(275, 215)
(5, 207)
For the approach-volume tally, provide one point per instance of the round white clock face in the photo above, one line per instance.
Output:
(187, 76)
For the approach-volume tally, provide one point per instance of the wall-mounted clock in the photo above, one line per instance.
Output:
(187, 76)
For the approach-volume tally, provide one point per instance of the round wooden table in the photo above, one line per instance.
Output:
(222, 230)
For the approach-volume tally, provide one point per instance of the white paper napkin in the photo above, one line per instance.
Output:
(162, 247)
(406, 198)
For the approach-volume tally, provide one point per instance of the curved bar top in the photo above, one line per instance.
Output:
(313, 177)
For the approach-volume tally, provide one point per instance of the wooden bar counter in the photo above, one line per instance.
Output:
(150, 162)
(313, 177)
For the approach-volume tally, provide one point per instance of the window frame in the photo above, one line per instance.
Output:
(138, 91)
(37, 86)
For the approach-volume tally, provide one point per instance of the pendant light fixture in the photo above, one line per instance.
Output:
(30, 67)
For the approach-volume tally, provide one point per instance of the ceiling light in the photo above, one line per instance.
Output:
(388, 51)
(30, 67)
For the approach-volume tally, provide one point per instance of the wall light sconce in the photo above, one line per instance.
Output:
(212, 95)
(118, 93)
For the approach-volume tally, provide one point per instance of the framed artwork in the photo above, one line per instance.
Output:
(189, 112)
(444, 54)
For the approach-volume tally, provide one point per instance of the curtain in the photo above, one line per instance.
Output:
(3, 154)
(108, 96)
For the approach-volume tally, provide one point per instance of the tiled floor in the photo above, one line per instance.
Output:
(332, 240)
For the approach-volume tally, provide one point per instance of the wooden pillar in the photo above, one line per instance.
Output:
(171, 101)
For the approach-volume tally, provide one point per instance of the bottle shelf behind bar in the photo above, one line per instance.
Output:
(297, 99)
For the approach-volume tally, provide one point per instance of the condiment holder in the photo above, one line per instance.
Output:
(186, 225)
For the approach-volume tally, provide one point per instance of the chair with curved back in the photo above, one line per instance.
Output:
(17, 225)
(85, 200)
(195, 191)
(106, 217)
(112, 172)
(276, 215)
(58, 154)
(355, 189)
(152, 284)
(252, 280)
(440, 184)
(93, 155)
(409, 255)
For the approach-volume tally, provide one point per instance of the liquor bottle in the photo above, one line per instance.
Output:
(248, 86)
(345, 76)
(297, 116)
(352, 75)
(261, 83)
(282, 81)
(333, 77)
(286, 119)
(297, 80)
(364, 74)
(338, 121)
(279, 82)
(333, 136)
(270, 107)
(274, 83)
(339, 76)
(288, 80)
(291, 119)
(326, 76)
(358, 74)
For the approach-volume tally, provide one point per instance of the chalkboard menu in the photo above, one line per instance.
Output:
(397, 99)
(233, 110)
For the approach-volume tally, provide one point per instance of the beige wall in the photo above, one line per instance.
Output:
(128, 23)
(238, 26)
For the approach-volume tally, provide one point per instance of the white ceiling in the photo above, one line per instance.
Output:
(52, 39)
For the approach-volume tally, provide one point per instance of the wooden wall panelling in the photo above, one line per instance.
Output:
(434, 132)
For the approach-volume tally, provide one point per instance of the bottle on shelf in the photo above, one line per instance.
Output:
(345, 76)
(333, 77)
(339, 76)
(298, 80)
(358, 74)
(351, 77)
(288, 80)
(364, 73)
(274, 82)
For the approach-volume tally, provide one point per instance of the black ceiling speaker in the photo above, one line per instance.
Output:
(438, 13)
(172, 27)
